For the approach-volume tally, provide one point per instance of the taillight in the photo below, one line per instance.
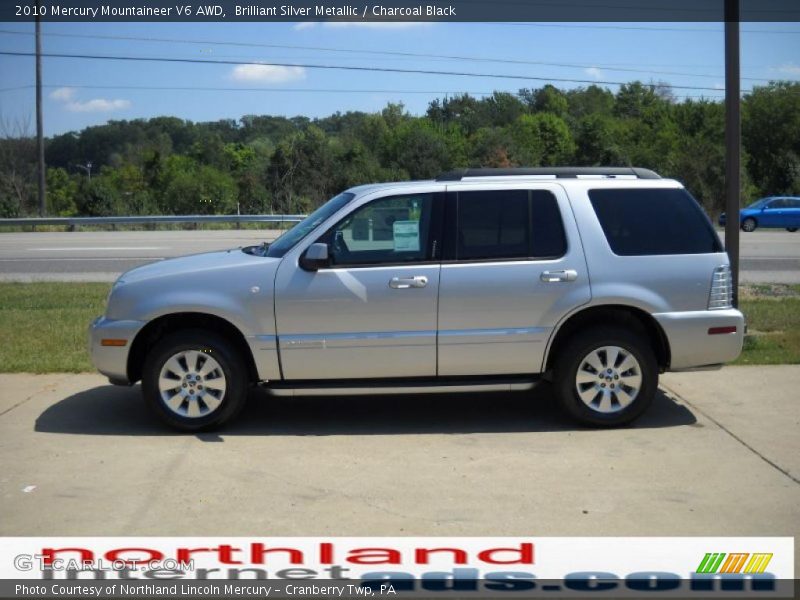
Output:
(721, 289)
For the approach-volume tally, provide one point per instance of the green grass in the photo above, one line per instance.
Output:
(773, 321)
(43, 325)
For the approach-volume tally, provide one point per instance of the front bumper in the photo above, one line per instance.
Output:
(692, 345)
(112, 361)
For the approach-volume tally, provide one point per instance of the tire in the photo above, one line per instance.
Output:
(749, 224)
(600, 406)
(198, 404)
(791, 229)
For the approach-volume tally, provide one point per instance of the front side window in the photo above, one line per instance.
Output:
(758, 203)
(389, 230)
(508, 225)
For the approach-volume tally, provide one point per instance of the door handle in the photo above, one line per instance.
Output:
(404, 283)
(557, 276)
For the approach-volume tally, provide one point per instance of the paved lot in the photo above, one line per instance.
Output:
(719, 454)
(767, 256)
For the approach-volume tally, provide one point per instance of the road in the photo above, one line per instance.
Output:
(717, 454)
(103, 255)
(767, 256)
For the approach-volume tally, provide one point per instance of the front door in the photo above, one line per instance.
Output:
(508, 276)
(372, 314)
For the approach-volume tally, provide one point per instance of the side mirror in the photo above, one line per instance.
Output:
(315, 257)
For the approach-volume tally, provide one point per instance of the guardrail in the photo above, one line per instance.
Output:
(73, 222)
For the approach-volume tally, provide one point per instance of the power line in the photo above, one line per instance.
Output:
(296, 90)
(239, 89)
(343, 68)
(421, 55)
(645, 28)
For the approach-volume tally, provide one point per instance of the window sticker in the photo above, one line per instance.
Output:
(406, 236)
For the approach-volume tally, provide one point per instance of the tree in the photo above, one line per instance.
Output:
(596, 142)
(635, 99)
(301, 171)
(62, 192)
(194, 189)
(490, 148)
(771, 135)
(420, 149)
(542, 139)
(17, 168)
(546, 99)
(592, 100)
(97, 198)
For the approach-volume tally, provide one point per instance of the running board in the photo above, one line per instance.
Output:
(400, 386)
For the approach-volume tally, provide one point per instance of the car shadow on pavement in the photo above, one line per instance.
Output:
(110, 410)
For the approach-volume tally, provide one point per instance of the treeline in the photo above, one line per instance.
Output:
(263, 164)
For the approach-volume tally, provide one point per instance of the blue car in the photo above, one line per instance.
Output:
(775, 211)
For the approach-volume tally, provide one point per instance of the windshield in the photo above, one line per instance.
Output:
(288, 240)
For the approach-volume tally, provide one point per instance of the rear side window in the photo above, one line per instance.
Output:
(508, 224)
(493, 225)
(642, 222)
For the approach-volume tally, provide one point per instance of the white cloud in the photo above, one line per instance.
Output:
(791, 69)
(304, 25)
(98, 105)
(594, 72)
(63, 93)
(267, 73)
(719, 86)
(67, 96)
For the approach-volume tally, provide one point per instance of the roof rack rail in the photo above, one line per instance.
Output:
(558, 172)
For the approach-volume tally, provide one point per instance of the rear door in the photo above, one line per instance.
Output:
(773, 214)
(513, 266)
(793, 213)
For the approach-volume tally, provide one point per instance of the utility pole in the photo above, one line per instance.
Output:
(39, 116)
(733, 134)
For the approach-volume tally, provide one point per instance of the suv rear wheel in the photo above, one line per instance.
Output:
(606, 376)
(194, 380)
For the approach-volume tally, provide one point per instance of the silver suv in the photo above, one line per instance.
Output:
(594, 279)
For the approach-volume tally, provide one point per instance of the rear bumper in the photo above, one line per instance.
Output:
(112, 361)
(691, 345)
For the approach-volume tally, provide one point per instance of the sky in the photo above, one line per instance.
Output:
(80, 93)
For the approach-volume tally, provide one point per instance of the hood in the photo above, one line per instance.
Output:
(195, 263)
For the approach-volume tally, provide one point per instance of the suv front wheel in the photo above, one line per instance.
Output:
(194, 380)
(606, 376)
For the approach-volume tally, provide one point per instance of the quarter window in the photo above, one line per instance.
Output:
(643, 222)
